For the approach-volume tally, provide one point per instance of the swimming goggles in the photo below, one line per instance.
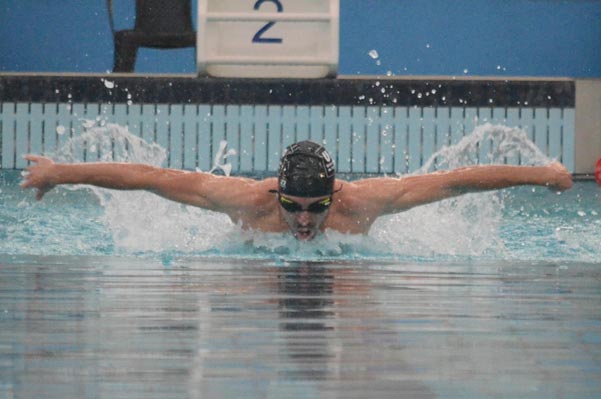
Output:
(315, 207)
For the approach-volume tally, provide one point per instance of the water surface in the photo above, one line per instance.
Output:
(113, 327)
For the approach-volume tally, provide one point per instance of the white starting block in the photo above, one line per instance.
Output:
(268, 38)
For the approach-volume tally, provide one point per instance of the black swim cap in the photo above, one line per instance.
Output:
(306, 170)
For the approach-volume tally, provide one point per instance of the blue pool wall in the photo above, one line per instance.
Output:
(371, 126)
(363, 139)
(433, 37)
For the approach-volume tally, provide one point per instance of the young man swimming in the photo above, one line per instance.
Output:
(305, 198)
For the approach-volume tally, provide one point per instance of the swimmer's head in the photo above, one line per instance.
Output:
(306, 170)
(305, 188)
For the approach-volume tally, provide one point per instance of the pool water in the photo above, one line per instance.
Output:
(524, 224)
(125, 295)
(127, 327)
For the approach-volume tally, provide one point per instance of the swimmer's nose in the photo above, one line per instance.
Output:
(303, 218)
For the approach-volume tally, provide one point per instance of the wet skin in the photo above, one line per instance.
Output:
(303, 224)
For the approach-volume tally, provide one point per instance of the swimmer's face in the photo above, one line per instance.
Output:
(304, 215)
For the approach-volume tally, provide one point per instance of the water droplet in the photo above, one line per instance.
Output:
(88, 123)
(373, 54)
(60, 130)
(108, 84)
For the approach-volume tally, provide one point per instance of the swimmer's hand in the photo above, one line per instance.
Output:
(559, 177)
(39, 175)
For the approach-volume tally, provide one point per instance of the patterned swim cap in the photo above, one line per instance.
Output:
(306, 170)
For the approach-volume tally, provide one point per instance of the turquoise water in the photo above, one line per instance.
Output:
(125, 295)
(518, 224)
(129, 327)
(523, 224)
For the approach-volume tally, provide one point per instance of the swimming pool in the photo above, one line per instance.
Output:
(112, 294)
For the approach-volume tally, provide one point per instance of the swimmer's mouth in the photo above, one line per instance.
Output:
(304, 234)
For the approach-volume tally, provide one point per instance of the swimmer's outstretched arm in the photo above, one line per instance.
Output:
(396, 195)
(193, 188)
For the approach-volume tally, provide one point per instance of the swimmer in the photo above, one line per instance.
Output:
(305, 199)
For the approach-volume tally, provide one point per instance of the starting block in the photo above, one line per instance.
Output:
(268, 38)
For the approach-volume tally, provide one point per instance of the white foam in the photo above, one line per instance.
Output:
(463, 226)
(467, 225)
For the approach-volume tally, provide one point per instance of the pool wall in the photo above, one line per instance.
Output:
(370, 124)
(430, 37)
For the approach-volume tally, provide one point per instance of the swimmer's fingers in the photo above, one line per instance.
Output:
(37, 175)
(40, 193)
(27, 182)
(41, 189)
(562, 179)
(38, 159)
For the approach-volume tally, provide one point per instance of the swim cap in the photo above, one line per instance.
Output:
(306, 170)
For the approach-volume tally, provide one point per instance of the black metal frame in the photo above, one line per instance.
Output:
(435, 92)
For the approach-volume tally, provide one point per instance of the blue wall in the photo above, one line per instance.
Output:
(429, 37)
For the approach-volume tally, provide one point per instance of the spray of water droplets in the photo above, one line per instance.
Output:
(468, 225)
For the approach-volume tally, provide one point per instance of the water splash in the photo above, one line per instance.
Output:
(488, 144)
(466, 226)
(109, 143)
(375, 56)
(141, 221)
(220, 160)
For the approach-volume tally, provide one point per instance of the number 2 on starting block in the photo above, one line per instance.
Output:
(268, 38)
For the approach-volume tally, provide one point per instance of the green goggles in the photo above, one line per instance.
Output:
(316, 207)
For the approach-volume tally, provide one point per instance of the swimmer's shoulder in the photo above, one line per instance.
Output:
(256, 201)
(346, 195)
(256, 193)
(266, 186)
(365, 196)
